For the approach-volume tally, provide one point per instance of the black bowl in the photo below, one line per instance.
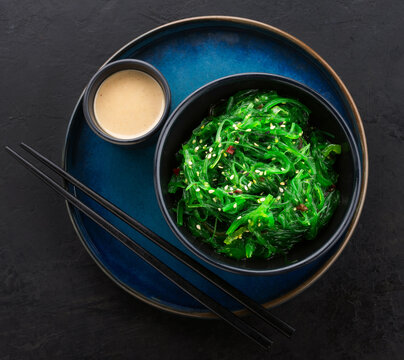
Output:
(189, 114)
(101, 75)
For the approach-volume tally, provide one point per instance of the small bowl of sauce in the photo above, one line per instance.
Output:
(126, 102)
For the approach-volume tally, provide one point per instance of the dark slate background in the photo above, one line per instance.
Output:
(54, 301)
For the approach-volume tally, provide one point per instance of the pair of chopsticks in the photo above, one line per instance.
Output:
(240, 324)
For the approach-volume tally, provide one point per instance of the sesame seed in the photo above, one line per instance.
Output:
(278, 198)
(248, 130)
(220, 145)
(244, 172)
(202, 126)
(235, 205)
(283, 125)
(185, 181)
(282, 183)
(281, 190)
(200, 141)
(211, 191)
(220, 166)
(197, 148)
(239, 217)
(236, 142)
(193, 141)
(197, 189)
(268, 147)
(232, 177)
(219, 209)
(224, 154)
(272, 127)
(197, 173)
(259, 224)
(209, 156)
(214, 199)
(246, 187)
(226, 187)
(276, 140)
(214, 155)
(257, 171)
(254, 181)
(255, 144)
(294, 209)
(262, 199)
(250, 184)
(297, 171)
(210, 149)
(198, 227)
(283, 169)
(306, 200)
(190, 162)
(274, 158)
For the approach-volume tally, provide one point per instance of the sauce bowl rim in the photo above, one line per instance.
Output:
(110, 69)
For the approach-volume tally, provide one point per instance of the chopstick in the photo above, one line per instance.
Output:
(165, 270)
(239, 296)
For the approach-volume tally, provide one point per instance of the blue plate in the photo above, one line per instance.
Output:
(190, 53)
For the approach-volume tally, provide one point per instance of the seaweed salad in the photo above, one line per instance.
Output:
(254, 178)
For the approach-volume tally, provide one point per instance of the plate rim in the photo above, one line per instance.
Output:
(365, 165)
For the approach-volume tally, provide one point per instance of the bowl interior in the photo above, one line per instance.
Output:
(188, 116)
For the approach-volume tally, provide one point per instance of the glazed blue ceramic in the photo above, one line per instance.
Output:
(188, 116)
(189, 54)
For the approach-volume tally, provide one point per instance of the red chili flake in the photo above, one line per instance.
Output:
(302, 207)
(231, 149)
(176, 171)
(330, 190)
(300, 143)
(238, 191)
(261, 178)
(260, 106)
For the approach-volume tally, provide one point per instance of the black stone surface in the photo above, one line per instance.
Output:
(54, 301)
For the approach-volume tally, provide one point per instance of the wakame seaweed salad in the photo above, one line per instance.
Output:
(254, 178)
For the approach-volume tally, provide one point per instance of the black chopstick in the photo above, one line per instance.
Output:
(243, 299)
(170, 274)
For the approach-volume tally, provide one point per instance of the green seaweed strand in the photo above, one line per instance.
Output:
(254, 179)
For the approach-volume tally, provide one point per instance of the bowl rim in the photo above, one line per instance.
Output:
(349, 213)
(103, 73)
